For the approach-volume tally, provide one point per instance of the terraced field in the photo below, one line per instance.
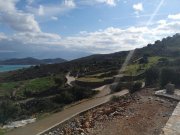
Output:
(21, 87)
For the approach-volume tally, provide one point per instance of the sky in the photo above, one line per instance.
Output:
(75, 28)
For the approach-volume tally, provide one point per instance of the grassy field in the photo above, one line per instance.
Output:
(2, 131)
(136, 68)
(104, 74)
(34, 86)
(7, 88)
(96, 75)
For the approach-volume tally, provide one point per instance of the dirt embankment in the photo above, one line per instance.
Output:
(139, 114)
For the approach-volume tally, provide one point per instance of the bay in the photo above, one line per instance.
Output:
(5, 68)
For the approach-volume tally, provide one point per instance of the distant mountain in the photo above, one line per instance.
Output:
(31, 61)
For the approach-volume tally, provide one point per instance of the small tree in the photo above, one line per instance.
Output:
(58, 81)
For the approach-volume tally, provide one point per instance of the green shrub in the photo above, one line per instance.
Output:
(151, 76)
(115, 98)
(135, 87)
(169, 75)
(8, 110)
(81, 93)
(115, 87)
(58, 81)
(39, 106)
(27, 93)
(73, 94)
(64, 98)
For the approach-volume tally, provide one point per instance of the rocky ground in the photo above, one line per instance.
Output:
(139, 114)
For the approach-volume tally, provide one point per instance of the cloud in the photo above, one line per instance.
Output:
(6, 51)
(162, 22)
(70, 3)
(2, 36)
(174, 16)
(41, 10)
(30, 40)
(94, 2)
(49, 10)
(30, 1)
(138, 7)
(116, 39)
(102, 41)
(36, 38)
(54, 18)
(16, 19)
(8, 5)
(20, 21)
(108, 2)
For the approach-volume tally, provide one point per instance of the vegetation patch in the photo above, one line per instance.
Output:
(93, 82)
(105, 74)
(137, 68)
(36, 85)
(30, 87)
(7, 88)
(2, 131)
(93, 79)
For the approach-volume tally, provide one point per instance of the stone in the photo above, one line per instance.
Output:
(88, 130)
(80, 129)
(86, 124)
(170, 88)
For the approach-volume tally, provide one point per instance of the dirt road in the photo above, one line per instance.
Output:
(70, 79)
(57, 118)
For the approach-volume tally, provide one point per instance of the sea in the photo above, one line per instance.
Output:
(6, 68)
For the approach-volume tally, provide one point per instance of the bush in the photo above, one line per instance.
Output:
(115, 87)
(73, 94)
(115, 98)
(169, 75)
(58, 81)
(38, 106)
(8, 110)
(64, 98)
(151, 76)
(81, 93)
(135, 87)
(27, 93)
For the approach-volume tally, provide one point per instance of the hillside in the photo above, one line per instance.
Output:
(43, 89)
(167, 48)
(31, 61)
(94, 63)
